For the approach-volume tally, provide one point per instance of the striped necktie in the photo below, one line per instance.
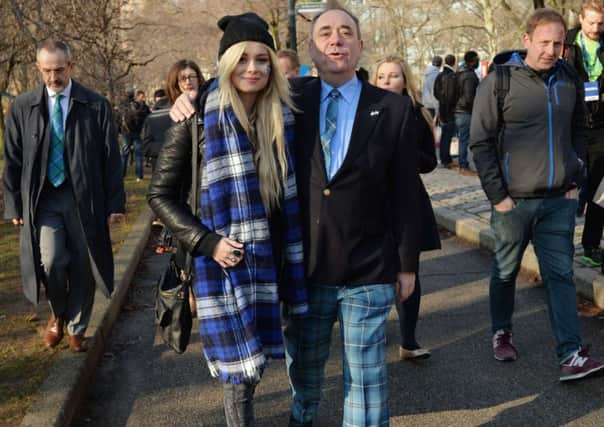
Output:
(331, 120)
(56, 164)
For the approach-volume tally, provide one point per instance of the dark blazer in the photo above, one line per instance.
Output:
(93, 166)
(362, 227)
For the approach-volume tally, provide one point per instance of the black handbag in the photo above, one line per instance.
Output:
(172, 308)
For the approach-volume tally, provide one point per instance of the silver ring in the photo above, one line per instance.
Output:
(233, 259)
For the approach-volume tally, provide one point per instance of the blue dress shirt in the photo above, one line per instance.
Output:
(347, 109)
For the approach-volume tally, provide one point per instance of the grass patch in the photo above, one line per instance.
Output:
(24, 364)
(24, 361)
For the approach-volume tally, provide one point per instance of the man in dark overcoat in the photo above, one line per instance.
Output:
(63, 185)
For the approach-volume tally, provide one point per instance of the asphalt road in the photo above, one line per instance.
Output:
(140, 382)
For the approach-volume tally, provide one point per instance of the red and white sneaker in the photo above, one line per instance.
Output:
(579, 365)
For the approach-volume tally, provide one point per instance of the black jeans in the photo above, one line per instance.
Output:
(408, 313)
(239, 404)
(593, 227)
(448, 131)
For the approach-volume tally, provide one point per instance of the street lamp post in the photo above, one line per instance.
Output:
(291, 13)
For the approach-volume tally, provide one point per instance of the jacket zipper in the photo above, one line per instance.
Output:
(507, 168)
(550, 138)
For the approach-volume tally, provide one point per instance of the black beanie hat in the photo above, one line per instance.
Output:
(245, 27)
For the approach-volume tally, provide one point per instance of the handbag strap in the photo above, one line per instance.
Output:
(194, 178)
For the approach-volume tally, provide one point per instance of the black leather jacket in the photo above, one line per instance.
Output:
(170, 187)
(467, 83)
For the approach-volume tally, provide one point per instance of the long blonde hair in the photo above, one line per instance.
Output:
(410, 85)
(268, 136)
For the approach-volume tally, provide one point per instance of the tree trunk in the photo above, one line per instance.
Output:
(488, 17)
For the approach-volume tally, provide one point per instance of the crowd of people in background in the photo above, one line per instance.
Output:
(311, 195)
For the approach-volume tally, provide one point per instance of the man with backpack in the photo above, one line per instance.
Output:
(583, 51)
(445, 91)
(133, 113)
(528, 148)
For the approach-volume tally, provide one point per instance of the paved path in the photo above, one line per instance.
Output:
(141, 383)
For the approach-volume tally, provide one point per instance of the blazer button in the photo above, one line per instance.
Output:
(327, 192)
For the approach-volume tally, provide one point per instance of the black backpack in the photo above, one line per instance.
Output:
(445, 90)
(502, 87)
(133, 116)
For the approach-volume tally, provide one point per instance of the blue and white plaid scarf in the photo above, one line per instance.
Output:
(238, 308)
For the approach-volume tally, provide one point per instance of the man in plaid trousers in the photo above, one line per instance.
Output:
(358, 189)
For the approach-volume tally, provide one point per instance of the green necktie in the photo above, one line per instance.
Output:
(331, 120)
(56, 164)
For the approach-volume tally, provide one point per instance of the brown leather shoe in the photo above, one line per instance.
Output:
(77, 343)
(467, 172)
(53, 334)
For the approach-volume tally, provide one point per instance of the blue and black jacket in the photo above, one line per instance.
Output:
(539, 149)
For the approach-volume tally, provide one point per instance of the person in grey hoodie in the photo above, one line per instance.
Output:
(430, 74)
(529, 166)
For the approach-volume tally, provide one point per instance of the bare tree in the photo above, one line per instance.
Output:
(15, 52)
(100, 36)
(121, 43)
(188, 28)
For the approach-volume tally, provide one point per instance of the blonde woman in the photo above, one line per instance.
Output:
(393, 73)
(247, 241)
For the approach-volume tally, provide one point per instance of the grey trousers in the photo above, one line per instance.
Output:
(65, 258)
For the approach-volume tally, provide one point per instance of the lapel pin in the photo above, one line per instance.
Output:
(374, 113)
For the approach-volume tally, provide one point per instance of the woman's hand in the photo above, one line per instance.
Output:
(228, 253)
(405, 285)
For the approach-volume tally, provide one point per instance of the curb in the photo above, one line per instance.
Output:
(588, 282)
(63, 391)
